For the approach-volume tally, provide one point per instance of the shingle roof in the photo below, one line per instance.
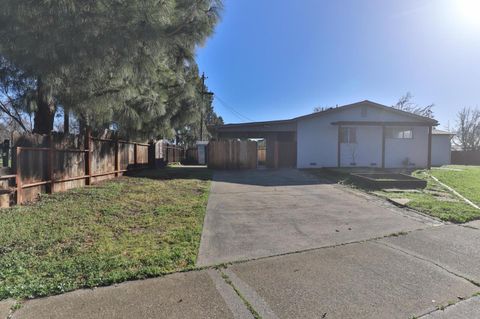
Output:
(373, 104)
(419, 118)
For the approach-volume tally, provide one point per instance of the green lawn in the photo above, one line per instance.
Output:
(437, 201)
(434, 200)
(128, 228)
(464, 179)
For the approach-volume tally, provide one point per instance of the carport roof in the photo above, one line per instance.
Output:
(269, 124)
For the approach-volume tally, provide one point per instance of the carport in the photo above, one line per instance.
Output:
(280, 137)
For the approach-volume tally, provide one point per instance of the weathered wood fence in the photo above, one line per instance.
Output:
(191, 155)
(466, 157)
(262, 155)
(58, 162)
(232, 154)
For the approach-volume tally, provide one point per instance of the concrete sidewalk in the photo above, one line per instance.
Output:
(183, 295)
(467, 309)
(367, 280)
(402, 276)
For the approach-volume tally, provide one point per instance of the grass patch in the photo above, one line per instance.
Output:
(434, 200)
(464, 179)
(129, 228)
(437, 201)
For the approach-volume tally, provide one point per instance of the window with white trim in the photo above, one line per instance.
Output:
(348, 135)
(399, 133)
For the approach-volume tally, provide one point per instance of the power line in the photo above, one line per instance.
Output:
(235, 112)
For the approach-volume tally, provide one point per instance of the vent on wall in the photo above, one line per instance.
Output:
(313, 164)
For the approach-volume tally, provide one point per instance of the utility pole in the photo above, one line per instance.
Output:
(203, 104)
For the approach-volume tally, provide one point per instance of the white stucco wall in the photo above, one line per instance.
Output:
(441, 150)
(367, 150)
(317, 141)
(416, 149)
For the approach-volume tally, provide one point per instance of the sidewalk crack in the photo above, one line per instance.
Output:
(249, 306)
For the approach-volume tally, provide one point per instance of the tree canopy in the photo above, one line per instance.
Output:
(129, 62)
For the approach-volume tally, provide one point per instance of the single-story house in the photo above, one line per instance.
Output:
(363, 134)
(441, 147)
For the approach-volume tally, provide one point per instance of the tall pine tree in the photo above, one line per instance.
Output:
(125, 61)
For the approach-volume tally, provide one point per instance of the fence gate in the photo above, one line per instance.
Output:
(232, 154)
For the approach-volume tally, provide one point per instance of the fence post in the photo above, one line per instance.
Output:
(151, 154)
(18, 176)
(6, 153)
(50, 160)
(135, 155)
(88, 156)
(117, 158)
(165, 155)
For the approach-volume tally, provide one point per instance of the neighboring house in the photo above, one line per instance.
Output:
(363, 134)
(441, 147)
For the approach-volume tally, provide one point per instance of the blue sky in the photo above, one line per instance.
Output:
(276, 59)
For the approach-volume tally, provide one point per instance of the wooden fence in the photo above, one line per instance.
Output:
(262, 156)
(57, 162)
(191, 155)
(284, 154)
(466, 157)
(232, 154)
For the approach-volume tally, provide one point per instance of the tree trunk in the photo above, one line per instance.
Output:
(45, 113)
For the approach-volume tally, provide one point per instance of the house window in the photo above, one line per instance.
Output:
(399, 133)
(348, 135)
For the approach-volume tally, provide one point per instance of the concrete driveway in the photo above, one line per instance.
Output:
(259, 213)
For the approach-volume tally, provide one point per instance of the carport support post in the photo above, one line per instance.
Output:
(275, 154)
(383, 145)
(339, 145)
(429, 164)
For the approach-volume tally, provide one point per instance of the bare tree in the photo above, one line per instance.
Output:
(405, 103)
(15, 90)
(468, 129)
(317, 109)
